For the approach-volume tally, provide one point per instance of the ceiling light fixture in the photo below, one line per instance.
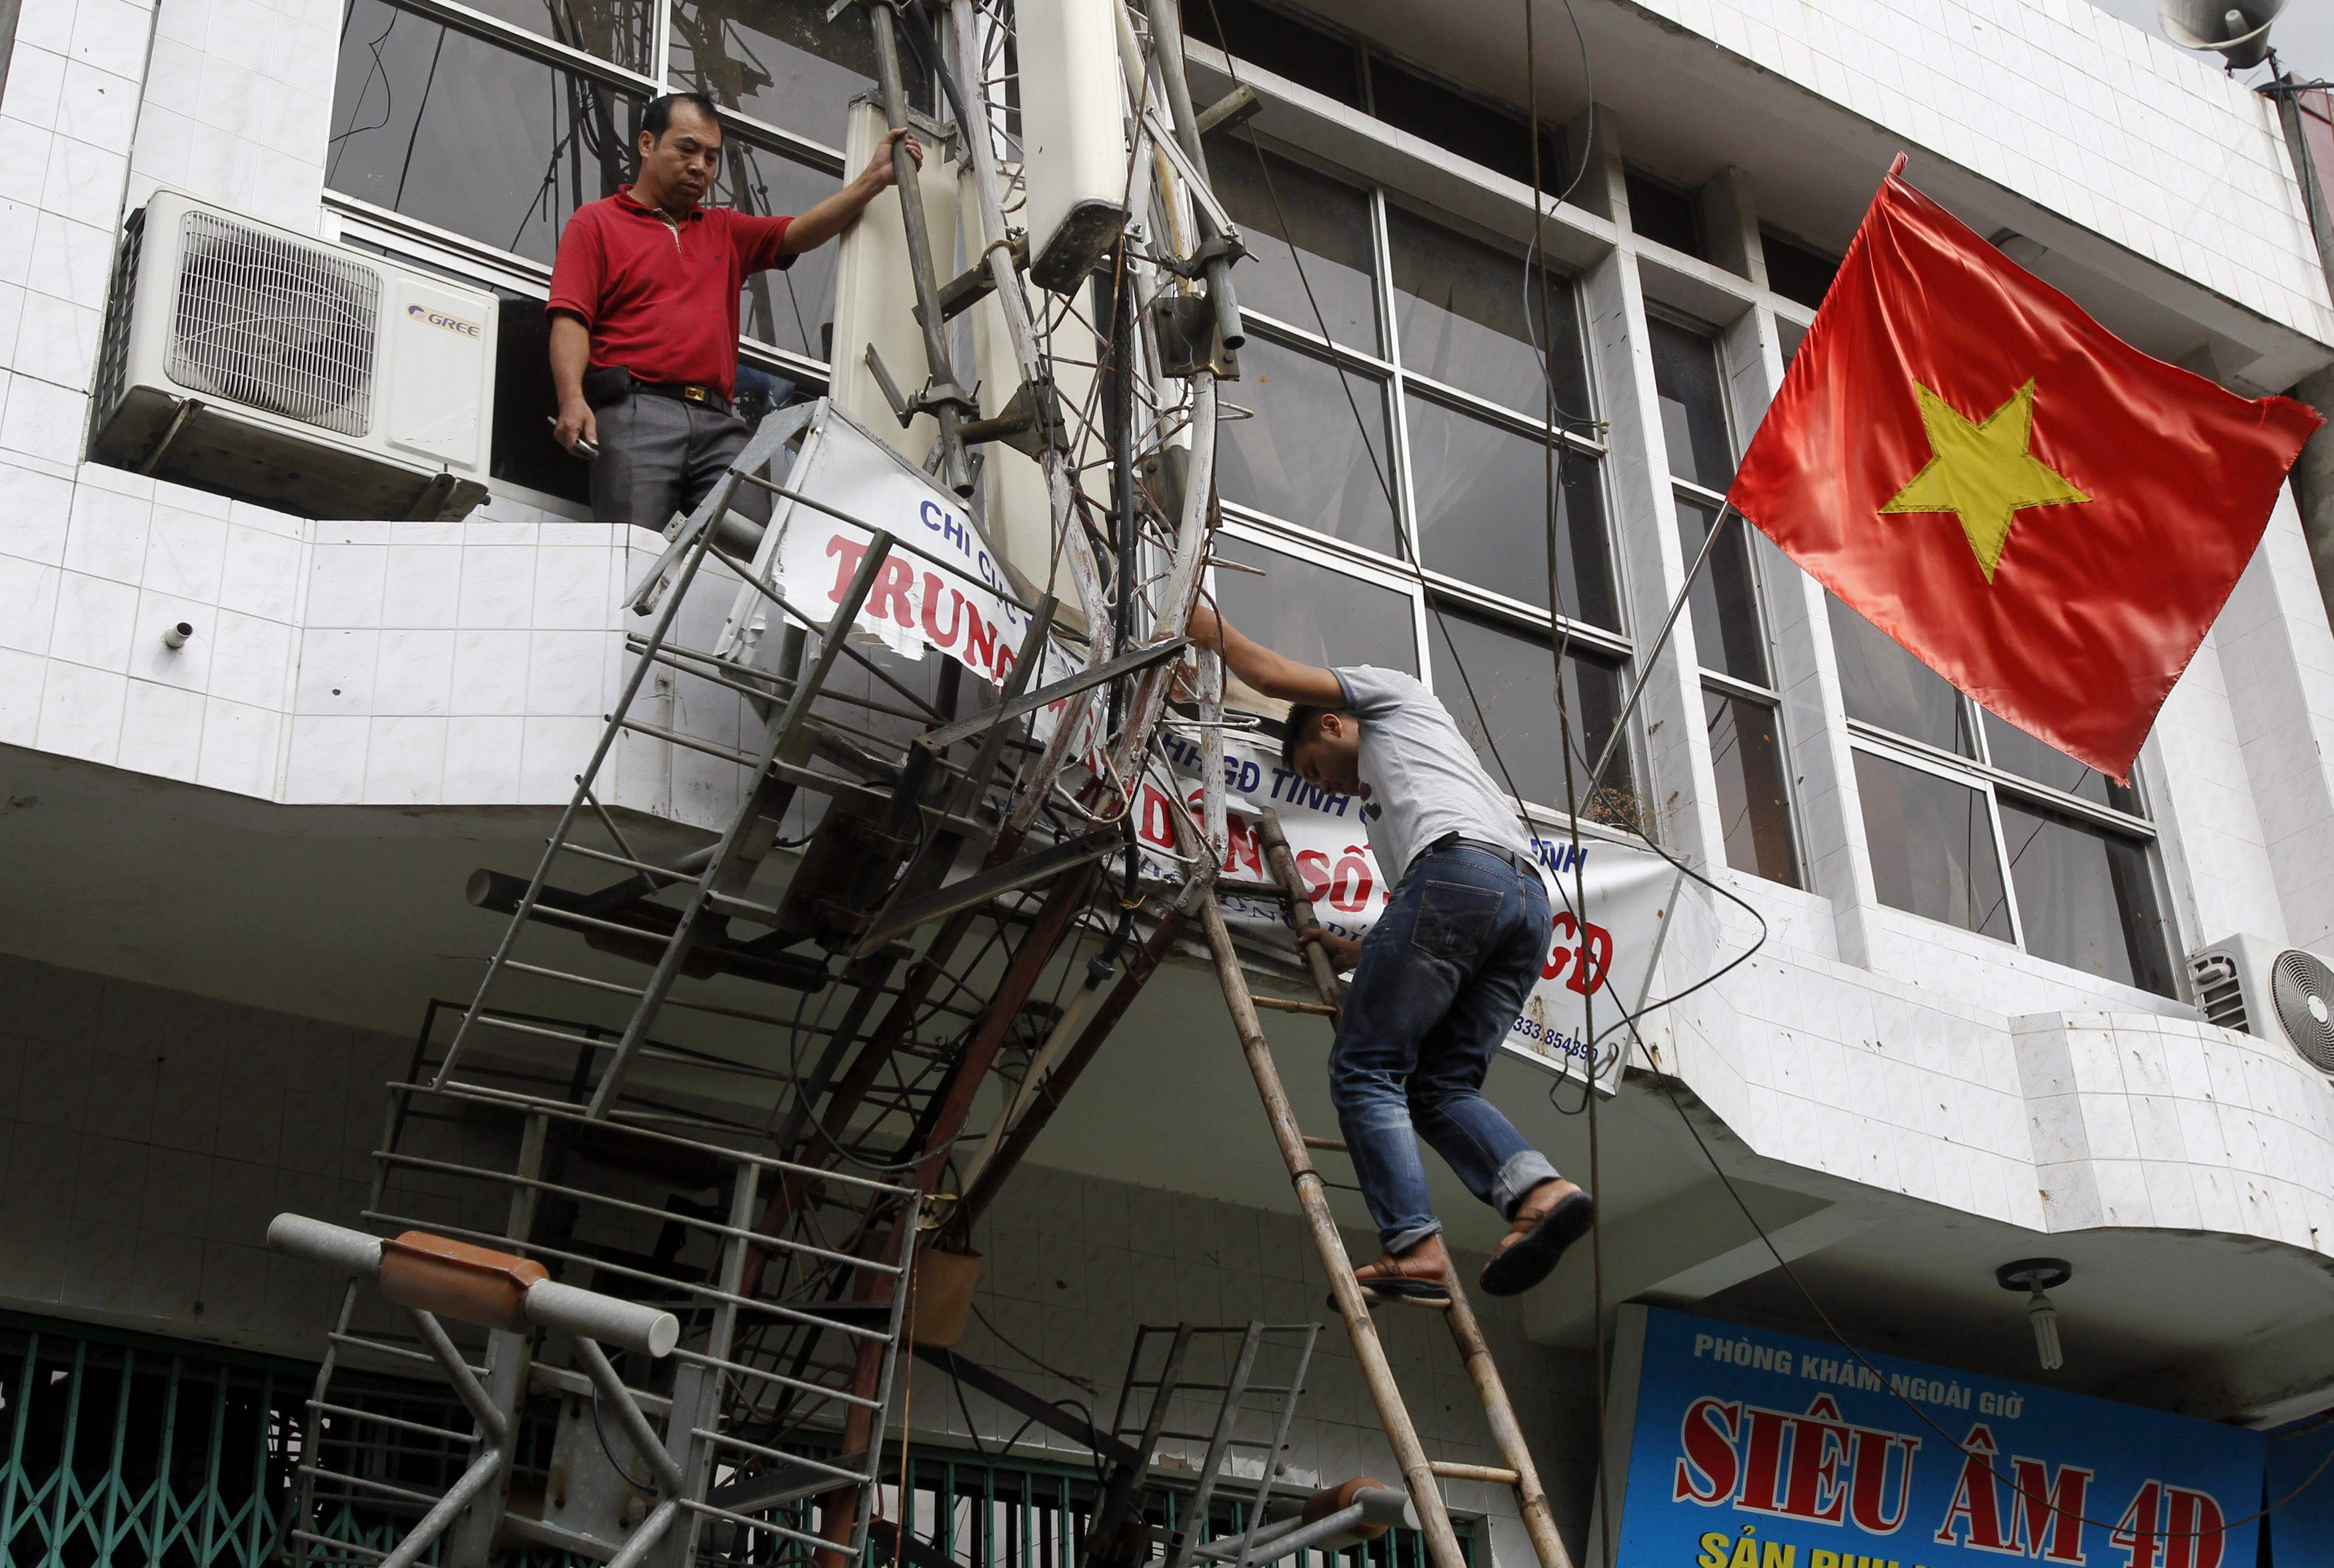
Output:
(2036, 1276)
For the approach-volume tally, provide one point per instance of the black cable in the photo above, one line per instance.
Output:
(607, 1453)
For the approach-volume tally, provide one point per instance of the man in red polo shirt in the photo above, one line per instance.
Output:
(644, 313)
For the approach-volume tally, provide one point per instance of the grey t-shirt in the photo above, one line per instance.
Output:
(1423, 776)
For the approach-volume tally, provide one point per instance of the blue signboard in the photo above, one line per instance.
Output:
(2302, 1489)
(1751, 1449)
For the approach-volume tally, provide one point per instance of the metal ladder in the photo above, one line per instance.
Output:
(1419, 1473)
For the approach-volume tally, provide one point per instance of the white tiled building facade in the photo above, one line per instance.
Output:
(1937, 1040)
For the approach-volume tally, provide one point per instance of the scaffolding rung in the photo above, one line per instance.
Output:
(398, 1421)
(365, 1553)
(693, 742)
(1021, 872)
(550, 973)
(1450, 1471)
(1282, 1004)
(1333, 1145)
(1029, 702)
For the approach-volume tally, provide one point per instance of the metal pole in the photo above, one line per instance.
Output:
(1167, 40)
(1645, 661)
(945, 398)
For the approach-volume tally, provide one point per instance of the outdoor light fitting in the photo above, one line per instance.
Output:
(2036, 1276)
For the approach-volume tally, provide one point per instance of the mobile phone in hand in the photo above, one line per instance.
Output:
(587, 450)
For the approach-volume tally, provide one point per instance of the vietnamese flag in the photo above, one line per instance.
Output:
(2039, 511)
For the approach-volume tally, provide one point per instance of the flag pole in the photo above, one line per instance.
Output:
(1661, 641)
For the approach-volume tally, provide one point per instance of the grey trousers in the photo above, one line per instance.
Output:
(659, 456)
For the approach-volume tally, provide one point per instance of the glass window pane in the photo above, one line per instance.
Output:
(622, 31)
(2086, 897)
(782, 61)
(2015, 751)
(1482, 494)
(1310, 612)
(1932, 846)
(1663, 213)
(1753, 806)
(1886, 686)
(1497, 138)
(481, 140)
(1512, 676)
(1302, 459)
(1727, 631)
(1796, 272)
(1331, 224)
(1280, 45)
(1693, 404)
(1458, 309)
(793, 308)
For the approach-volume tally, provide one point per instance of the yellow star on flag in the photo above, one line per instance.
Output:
(1982, 472)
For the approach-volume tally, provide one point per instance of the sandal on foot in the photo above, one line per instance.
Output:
(1535, 1244)
(1392, 1283)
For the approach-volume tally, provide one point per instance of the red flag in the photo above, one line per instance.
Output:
(2039, 511)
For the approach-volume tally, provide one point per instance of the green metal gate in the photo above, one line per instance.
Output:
(126, 1451)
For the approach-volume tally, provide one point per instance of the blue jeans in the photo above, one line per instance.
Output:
(1443, 976)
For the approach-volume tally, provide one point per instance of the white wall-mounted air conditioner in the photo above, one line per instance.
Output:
(2269, 990)
(324, 381)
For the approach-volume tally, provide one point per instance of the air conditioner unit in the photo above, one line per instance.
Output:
(322, 381)
(2269, 990)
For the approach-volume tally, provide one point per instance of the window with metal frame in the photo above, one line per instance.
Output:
(1741, 704)
(1415, 428)
(469, 135)
(1970, 821)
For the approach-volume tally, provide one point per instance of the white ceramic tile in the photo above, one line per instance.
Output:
(17, 227)
(336, 671)
(186, 553)
(415, 673)
(34, 511)
(490, 674)
(239, 748)
(25, 149)
(162, 730)
(252, 659)
(482, 760)
(327, 763)
(21, 678)
(109, 531)
(95, 620)
(404, 760)
(345, 585)
(36, 82)
(83, 182)
(571, 589)
(174, 77)
(553, 752)
(28, 604)
(56, 342)
(152, 658)
(110, 36)
(565, 672)
(43, 419)
(262, 574)
(423, 586)
(12, 311)
(80, 712)
(497, 586)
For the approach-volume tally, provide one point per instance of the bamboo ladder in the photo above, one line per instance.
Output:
(1419, 1473)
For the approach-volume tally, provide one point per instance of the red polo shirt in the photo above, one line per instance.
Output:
(662, 300)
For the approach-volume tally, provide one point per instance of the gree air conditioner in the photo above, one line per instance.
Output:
(321, 382)
(2275, 992)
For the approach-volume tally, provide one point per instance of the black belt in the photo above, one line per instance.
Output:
(1454, 840)
(614, 383)
(703, 396)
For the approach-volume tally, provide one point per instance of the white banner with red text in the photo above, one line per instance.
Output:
(1601, 955)
(950, 594)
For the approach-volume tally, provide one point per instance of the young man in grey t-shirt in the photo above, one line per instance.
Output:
(1441, 976)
